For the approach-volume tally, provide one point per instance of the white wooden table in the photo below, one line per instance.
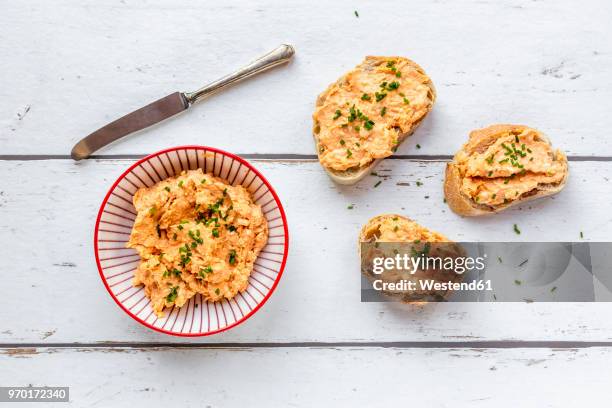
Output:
(71, 66)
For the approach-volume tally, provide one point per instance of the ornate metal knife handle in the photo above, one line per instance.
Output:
(280, 55)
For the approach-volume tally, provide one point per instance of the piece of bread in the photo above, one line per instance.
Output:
(395, 228)
(363, 116)
(501, 166)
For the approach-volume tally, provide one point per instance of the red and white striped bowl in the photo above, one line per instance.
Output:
(117, 263)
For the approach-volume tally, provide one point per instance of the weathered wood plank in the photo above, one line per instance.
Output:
(52, 291)
(307, 377)
(544, 64)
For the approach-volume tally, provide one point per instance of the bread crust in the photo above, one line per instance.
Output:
(354, 174)
(466, 206)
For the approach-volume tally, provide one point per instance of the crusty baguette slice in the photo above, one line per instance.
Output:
(407, 231)
(405, 107)
(479, 163)
(395, 228)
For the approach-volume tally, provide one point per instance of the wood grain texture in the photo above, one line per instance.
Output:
(54, 294)
(72, 66)
(309, 377)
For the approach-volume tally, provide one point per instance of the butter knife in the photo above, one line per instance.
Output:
(173, 104)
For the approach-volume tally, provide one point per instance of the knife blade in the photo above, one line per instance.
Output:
(139, 119)
(173, 104)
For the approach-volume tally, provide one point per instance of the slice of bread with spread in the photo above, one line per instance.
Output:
(501, 166)
(397, 228)
(380, 234)
(363, 117)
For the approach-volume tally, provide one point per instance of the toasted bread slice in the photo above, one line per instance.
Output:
(395, 228)
(501, 166)
(382, 228)
(363, 117)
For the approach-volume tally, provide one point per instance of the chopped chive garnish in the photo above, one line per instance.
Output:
(171, 297)
(517, 230)
(393, 86)
(337, 114)
(377, 184)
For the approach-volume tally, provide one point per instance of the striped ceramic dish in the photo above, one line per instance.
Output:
(117, 263)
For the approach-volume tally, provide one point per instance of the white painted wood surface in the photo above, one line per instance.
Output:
(318, 298)
(71, 66)
(317, 377)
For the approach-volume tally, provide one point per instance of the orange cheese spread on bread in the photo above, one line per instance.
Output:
(396, 228)
(368, 111)
(510, 165)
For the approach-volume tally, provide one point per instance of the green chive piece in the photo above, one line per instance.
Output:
(171, 297)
